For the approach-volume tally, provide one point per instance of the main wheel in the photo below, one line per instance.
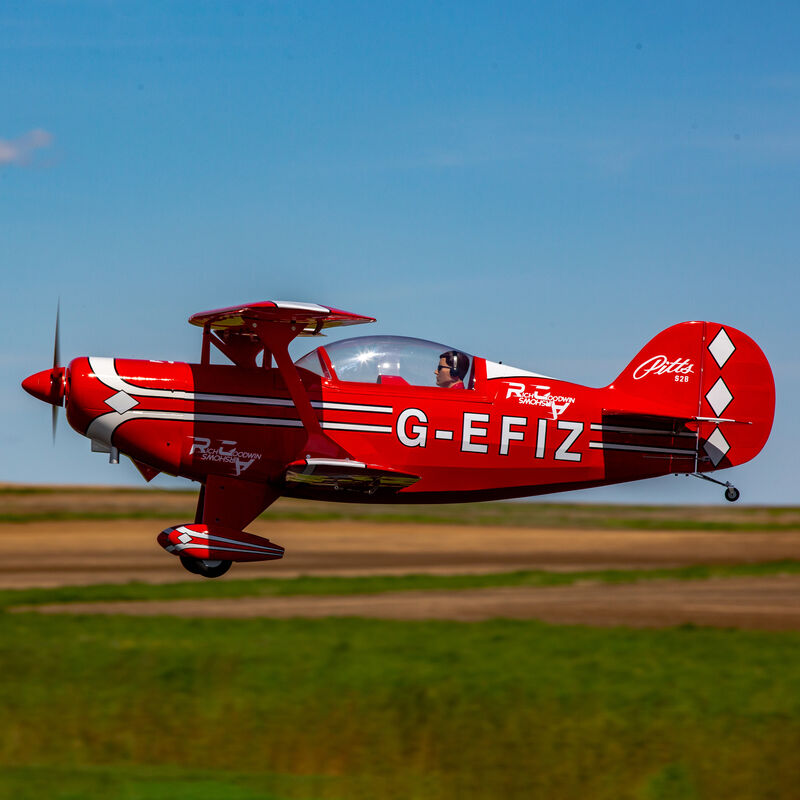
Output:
(190, 564)
(205, 567)
(732, 494)
(212, 569)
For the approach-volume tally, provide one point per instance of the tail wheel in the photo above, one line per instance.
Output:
(732, 494)
(205, 567)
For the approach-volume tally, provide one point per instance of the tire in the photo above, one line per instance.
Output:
(208, 569)
(732, 494)
(212, 569)
(190, 564)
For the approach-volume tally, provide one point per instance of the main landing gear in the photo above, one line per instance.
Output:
(206, 567)
(209, 550)
(731, 492)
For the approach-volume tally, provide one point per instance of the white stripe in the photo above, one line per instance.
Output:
(191, 545)
(335, 462)
(293, 304)
(497, 370)
(356, 426)
(647, 431)
(354, 407)
(211, 537)
(104, 371)
(642, 449)
(102, 428)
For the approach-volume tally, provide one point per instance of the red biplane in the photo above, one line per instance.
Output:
(365, 420)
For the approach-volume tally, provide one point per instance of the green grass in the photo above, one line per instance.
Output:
(18, 489)
(147, 783)
(145, 708)
(25, 504)
(328, 585)
(484, 514)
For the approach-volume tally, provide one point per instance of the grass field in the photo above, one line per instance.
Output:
(371, 584)
(151, 708)
(127, 708)
(20, 504)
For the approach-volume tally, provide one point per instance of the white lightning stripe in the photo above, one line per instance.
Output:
(641, 449)
(104, 371)
(647, 431)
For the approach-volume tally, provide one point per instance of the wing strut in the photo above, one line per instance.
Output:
(242, 332)
(276, 338)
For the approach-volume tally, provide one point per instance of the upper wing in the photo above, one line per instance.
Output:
(311, 316)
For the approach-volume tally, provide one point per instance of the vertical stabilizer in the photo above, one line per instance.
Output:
(710, 375)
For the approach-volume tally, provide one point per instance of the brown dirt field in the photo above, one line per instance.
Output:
(757, 603)
(87, 552)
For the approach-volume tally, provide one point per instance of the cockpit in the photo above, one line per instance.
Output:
(400, 360)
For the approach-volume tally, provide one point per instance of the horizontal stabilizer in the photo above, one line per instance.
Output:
(668, 418)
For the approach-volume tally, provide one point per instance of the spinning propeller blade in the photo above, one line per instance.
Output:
(56, 364)
(57, 343)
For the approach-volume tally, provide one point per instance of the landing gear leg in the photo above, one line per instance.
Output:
(731, 492)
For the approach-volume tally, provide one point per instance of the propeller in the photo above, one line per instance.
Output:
(56, 374)
(49, 385)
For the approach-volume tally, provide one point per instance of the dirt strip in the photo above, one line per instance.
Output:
(81, 552)
(758, 603)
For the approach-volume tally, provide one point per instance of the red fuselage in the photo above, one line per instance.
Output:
(505, 437)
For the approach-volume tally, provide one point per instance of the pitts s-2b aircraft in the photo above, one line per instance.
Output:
(365, 420)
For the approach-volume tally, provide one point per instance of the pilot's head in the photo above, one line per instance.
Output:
(453, 368)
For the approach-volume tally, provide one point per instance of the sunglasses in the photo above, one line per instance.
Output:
(443, 366)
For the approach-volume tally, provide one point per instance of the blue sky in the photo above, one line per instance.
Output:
(549, 184)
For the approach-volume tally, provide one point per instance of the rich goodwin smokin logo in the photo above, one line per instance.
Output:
(661, 365)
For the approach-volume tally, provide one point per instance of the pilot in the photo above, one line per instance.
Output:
(453, 368)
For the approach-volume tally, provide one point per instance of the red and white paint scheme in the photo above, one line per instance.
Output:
(363, 420)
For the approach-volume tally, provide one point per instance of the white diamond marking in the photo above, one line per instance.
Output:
(721, 348)
(121, 402)
(185, 538)
(716, 446)
(719, 397)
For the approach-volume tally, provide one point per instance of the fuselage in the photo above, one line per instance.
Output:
(505, 436)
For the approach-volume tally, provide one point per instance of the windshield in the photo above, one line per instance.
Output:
(383, 359)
